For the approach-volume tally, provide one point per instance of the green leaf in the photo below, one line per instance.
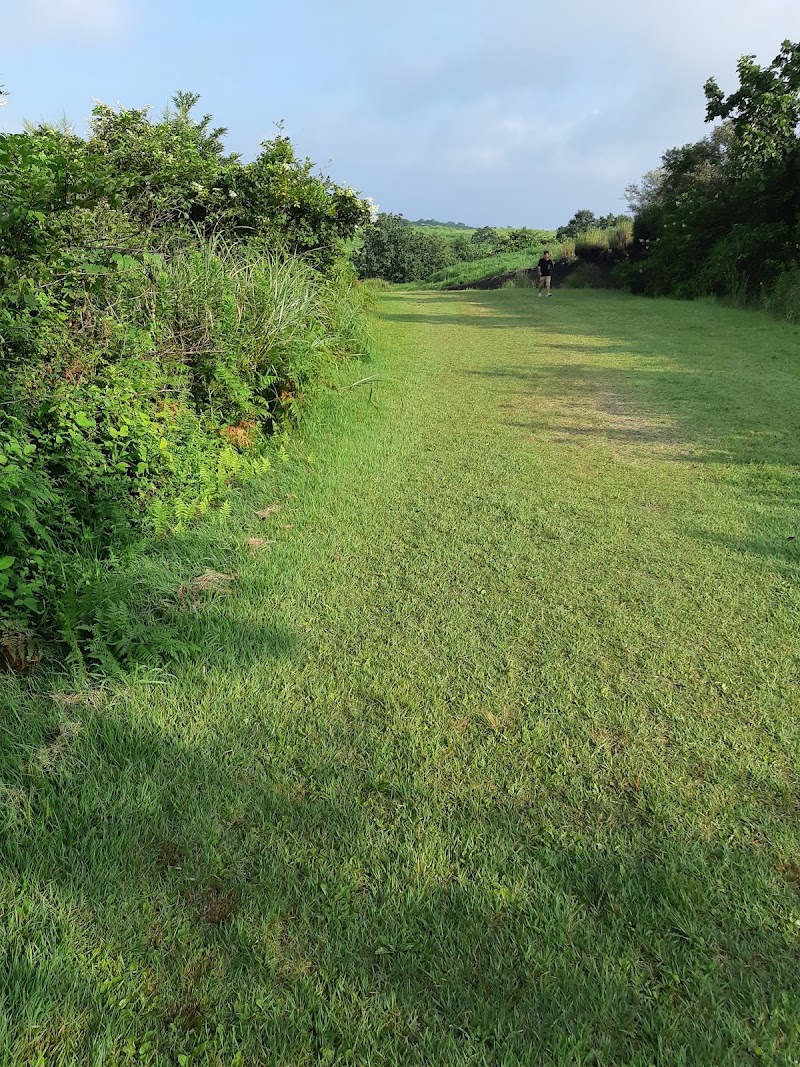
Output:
(6, 562)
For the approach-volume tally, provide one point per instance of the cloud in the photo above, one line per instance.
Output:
(44, 21)
(436, 109)
(560, 107)
(710, 35)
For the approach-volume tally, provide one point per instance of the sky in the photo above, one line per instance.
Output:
(511, 114)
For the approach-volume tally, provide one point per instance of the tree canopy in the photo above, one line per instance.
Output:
(722, 215)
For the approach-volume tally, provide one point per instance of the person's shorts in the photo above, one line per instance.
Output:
(544, 281)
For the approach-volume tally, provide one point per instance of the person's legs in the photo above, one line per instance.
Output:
(546, 283)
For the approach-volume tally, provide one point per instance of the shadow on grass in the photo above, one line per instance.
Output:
(175, 600)
(294, 910)
(216, 877)
(674, 416)
(701, 385)
(492, 322)
(698, 410)
(780, 550)
(497, 320)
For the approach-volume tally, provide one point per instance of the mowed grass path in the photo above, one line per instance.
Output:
(491, 758)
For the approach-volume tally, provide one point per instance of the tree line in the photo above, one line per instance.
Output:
(397, 250)
(721, 216)
(718, 217)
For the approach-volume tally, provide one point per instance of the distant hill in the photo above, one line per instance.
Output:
(447, 225)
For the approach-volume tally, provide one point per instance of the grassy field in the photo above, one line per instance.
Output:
(478, 269)
(450, 231)
(488, 755)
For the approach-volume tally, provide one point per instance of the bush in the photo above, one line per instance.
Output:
(186, 363)
(519, 240)
(591, 276)
(783, 299)
(396, 251)
(463, 250)
(154, 328)
(486, 238)
(28, 498)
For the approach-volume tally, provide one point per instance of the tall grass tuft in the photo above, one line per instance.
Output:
(591, 242)
(620, 236)
(253, 325)
(182, 365)
(784, 297)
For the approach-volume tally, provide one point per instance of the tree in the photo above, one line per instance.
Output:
(705, 224)
(764, 119)
(764, 112)
(646, 192)
(584, 220)
(280, 198)
(518, 240)
(397, 252)
(580, 222)
(209, 140)
(487, 237)
(682, 211)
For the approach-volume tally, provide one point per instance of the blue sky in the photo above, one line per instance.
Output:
(492, 114)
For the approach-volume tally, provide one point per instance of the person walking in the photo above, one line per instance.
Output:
(545, 268)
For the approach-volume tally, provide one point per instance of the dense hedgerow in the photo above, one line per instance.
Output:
(162, 307)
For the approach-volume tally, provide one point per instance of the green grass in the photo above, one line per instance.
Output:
(447, 231)
(490, 758)
(478, 269)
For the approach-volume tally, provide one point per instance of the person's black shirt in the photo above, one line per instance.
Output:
(546, 267)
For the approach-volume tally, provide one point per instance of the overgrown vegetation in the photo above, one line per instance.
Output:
(438, 256)
(722, 216)
(584, 220)
(396, 250)
(162, 307)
